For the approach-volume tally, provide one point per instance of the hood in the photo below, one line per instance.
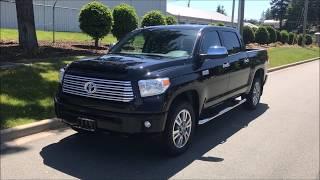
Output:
(123, 67)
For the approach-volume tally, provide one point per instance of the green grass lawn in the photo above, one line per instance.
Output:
(12, 34)
(27, 91)
(285, 55)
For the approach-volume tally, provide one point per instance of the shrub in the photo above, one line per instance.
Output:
(248, 35)
(272, 34)
(284, 36)
(278, 36)
(95, 20)
(219, 24)
(262, 35)
(292, 38)
(125, 19)
(254, 29)
(171, 20)
(153, 18)
(308, 39)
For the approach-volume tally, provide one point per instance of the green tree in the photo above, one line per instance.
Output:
(95, 20)
(262, 35)
(220, 9)
(295, 14)
(170, 20)
(125, 19)
(153, 18)
(279, 9)
(248, 35)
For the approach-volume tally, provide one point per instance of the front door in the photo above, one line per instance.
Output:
(214, 71)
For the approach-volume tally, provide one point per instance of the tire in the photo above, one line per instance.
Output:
(253, 98)
(177, 138)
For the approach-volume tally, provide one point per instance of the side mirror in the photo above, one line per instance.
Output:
(215, 52)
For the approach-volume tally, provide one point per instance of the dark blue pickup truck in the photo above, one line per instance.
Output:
(162, 79)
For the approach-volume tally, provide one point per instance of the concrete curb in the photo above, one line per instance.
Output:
(292, 64)
(28, 129)
(50, 124)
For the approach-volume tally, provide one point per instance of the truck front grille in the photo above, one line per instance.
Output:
(98, 88)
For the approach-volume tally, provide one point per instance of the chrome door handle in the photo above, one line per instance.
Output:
(246, 60)
(225, 65)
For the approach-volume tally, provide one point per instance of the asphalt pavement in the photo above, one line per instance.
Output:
(280, 139)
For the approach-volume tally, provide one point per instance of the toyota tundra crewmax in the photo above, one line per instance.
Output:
(163, 80)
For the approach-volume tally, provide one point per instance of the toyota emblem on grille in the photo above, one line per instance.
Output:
(90, 87)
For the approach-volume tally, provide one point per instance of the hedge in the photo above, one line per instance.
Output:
(95, 20)
(153, 18)
(284, 36)
(272, 34)
(262, 35)
(170, 20)
(125, 19)
(248, 35)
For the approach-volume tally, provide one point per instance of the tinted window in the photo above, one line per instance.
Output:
(173, 43)
(231, 42)
(210, 39)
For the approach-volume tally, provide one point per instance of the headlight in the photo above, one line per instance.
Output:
(61, 74)
(153, 87)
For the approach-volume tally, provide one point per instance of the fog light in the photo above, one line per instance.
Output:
(147, 124)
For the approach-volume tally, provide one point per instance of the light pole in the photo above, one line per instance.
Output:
(232, 16)
(240, 16)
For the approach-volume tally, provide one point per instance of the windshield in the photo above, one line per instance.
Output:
(173, 43)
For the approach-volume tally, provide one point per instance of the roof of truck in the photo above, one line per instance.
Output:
(190, 26)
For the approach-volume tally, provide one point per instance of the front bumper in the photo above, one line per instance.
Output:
(129, 123)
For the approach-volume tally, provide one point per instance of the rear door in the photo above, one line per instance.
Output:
(213, 71)
(239, 65)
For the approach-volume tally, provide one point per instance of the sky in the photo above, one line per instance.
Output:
(253, 8)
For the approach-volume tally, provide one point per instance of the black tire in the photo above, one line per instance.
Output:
(253, 98)
(170, 145)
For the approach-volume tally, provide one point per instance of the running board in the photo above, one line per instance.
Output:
(202, 121)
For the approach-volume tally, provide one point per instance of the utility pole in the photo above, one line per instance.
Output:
(189, 3)
(305, 17)
(241, 16)
(232, 16)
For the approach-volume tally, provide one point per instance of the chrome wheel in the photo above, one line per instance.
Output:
(182, 128)
(256, 93)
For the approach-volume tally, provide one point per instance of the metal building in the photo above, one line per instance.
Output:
(67, 12)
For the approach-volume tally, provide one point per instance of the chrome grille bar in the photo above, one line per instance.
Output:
(112, 90)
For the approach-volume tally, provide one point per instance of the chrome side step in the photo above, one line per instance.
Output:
(202, 121)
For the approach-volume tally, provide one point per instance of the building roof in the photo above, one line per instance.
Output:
(196, 13)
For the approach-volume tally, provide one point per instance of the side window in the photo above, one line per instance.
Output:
(210, 38)
(231, 42)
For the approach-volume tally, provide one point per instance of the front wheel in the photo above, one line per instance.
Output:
(179, 128)
(253, 98)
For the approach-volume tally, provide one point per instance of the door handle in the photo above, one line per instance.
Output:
(246, 60)
(225, 65)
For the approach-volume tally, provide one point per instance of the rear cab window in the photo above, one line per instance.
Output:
(231, 42)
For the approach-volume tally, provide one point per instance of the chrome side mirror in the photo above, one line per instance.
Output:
(215, 52)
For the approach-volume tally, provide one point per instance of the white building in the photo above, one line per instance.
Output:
(189, 15)
(67, 12)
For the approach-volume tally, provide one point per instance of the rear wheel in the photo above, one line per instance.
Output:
(179, 128)
(253, 98)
